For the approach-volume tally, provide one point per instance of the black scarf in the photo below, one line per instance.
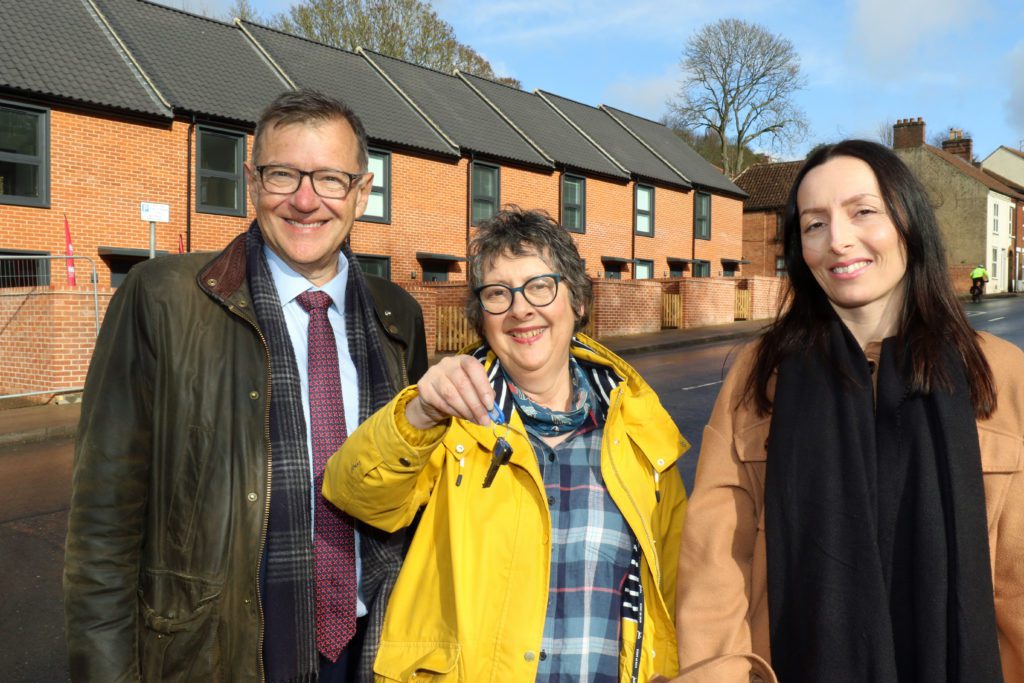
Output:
(288, 570)
(877, 540)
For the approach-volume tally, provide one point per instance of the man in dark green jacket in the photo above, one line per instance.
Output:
(190, 549)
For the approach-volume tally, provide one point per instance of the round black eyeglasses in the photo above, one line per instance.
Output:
(539, 291)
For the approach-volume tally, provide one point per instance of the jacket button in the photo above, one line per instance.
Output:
(252, 497)
(661, 462)
(242, 303)
(616, 442)
(393, 329)
(212, 282)
(460, 448)
(543, 655)
(529, 655)
(254, 395)
(404, 462)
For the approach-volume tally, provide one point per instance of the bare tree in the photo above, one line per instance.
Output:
(405, 29)
(884, 133)
(738, 81)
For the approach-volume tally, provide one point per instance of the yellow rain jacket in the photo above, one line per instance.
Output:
(471, 599)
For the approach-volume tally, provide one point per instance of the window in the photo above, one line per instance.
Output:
(779, 227)
(121, 260)
(18, 269)
(643, 220)
(993, 272)
(676, 268)
(702, 216)
(435, 271)
(373, 264)
(612, 273)
(702, 269)
(486, 184)
(729, 269)
(780, 266)
(24, 155)
(995, 219)
(643, 269)
(378, 208)
(220, 183)
(574, 203)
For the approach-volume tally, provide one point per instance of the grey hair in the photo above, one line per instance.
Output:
(308, 106)
(518, 232)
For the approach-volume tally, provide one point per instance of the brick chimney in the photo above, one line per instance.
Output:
(958, 145)
(908, 133)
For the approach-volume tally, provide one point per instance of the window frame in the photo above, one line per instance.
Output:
(637, 211)
(643, 262)
(701, 268)
(495, 201)
(41, 160)
(42, 267)
(581, 206)
(241, 151)
(780, 267)
(698, 233)
(383, 189)
(375, 258)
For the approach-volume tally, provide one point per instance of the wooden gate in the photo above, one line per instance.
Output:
(742, 304)
(453, 330)
(671, 310)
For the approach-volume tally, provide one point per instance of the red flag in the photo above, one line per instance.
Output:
(181, 245)
(69, 250)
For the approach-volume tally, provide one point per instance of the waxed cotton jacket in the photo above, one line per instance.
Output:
(472, 596)
(169, 507)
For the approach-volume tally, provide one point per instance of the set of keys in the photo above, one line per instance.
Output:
(502, 450)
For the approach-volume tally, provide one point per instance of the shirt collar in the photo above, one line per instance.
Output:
(290, 284)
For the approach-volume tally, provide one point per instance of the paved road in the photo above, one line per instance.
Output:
(35, 485)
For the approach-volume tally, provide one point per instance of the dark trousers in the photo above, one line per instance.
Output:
(347, 666)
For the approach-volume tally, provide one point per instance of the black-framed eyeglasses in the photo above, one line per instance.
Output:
(327, 182)
(539, 291)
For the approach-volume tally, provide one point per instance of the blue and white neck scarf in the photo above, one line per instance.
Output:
(547, 422)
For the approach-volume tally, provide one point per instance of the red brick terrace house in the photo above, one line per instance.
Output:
(768, 186)
(134, 102)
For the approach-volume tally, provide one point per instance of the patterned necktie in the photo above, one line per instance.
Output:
(333, 537)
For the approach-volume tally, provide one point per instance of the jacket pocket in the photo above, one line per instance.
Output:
(1002, 458)
(418, 661)
(178, 624)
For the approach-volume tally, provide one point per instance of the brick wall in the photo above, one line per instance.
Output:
(726, 233)
(765, 293)
(759, 245)
(609, 223)
(708, 301)
(626, 307)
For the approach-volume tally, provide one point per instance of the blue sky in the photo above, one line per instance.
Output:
(867, 62)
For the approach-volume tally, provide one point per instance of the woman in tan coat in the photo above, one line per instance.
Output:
(858, 510)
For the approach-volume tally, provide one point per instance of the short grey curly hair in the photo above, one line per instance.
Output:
(518, 232)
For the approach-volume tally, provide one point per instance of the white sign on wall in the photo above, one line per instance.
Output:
(156, 213)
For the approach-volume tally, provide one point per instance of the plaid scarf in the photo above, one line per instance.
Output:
(288, 569)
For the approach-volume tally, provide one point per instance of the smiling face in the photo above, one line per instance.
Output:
(850, 243)
(531, 342)
(303, 228)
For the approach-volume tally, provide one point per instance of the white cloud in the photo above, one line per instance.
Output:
(1015, 102)
(643, 96)
(889, 32)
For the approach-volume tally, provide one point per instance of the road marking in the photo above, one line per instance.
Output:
(971, 314)
(701, 386)
(995, 319)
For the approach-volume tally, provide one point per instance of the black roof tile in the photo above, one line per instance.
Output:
(676, 152)
(616, 140)
(200, 65)
(61, 49)
(388, 118)
(546, 128)
(458, 111)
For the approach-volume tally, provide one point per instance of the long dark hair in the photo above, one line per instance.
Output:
(931, 316)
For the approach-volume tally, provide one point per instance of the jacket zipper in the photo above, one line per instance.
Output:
(266, 497)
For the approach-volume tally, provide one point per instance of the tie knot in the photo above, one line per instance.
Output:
(314, 300)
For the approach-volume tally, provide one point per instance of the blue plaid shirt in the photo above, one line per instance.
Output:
(591, 550)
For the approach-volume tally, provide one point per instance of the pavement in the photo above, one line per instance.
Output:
(54, 422)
